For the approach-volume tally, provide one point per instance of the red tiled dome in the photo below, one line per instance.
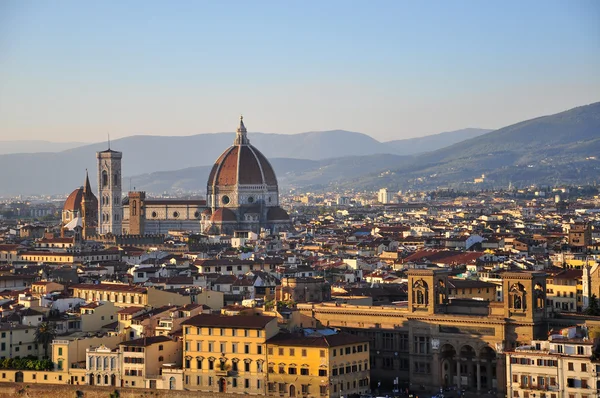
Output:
(277, 214)
(223, 215)
(242, 164)
(73, 202)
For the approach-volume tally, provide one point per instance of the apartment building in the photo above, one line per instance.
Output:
(227, 353)
(314, 364)
(560, 367)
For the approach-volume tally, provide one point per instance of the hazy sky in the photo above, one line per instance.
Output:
(77, 70)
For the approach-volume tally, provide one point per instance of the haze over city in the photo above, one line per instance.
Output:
(75, 71)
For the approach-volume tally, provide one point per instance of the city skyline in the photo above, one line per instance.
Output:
(75, 72)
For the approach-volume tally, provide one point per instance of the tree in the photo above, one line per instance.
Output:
(593, 308)
(44, 335)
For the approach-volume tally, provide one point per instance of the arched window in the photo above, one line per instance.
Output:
(420, 293)
(134, 208)
(105, 363)
(116, 180)
(104, 178)
(517, 297)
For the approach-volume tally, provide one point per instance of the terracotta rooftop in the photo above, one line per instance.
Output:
(300, 340)
(238, 321)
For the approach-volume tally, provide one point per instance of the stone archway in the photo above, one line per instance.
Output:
(448, 365)
(487, 369)
(465, 370)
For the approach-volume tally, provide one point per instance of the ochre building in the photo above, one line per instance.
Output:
(434, 341)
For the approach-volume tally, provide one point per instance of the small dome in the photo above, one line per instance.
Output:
(73, 202)
(207, 212)
(223, 215)
(277, 214)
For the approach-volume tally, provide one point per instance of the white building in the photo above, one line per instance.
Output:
(384, 196)
(558, 368)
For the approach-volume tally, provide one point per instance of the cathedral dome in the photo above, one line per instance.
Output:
(73, 202)
(242, 164)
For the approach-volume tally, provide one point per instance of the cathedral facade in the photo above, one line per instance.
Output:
(242, 196)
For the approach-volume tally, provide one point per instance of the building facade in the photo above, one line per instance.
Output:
(227, 353)
(435, 341)
(330, 365)
(556, 368)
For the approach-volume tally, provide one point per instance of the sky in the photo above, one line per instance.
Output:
(79, 70)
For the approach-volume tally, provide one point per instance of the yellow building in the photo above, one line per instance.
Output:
(331, 365)
(123, 295)
(227, 353)
(565, 291)
(471, 289)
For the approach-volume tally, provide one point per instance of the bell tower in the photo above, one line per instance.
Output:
(110, 210)
(428, 290)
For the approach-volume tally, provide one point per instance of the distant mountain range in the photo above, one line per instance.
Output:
(61, 172)
(558, 149)
(35, 146)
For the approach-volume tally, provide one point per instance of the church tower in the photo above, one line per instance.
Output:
(110, 210)
(89, 209)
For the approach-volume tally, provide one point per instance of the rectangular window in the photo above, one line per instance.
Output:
(59, 350)
(292, 352)
(323, 372)
(281, 352)
(259, 349)
(246, 383)
(304, 372)
(270, 351)
(571, 367)
(291, 370)
(303, 352)
(234, 348)
(246, 348)
(322, 353)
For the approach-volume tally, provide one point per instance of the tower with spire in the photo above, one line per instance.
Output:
(89, 209)
(110, 210)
